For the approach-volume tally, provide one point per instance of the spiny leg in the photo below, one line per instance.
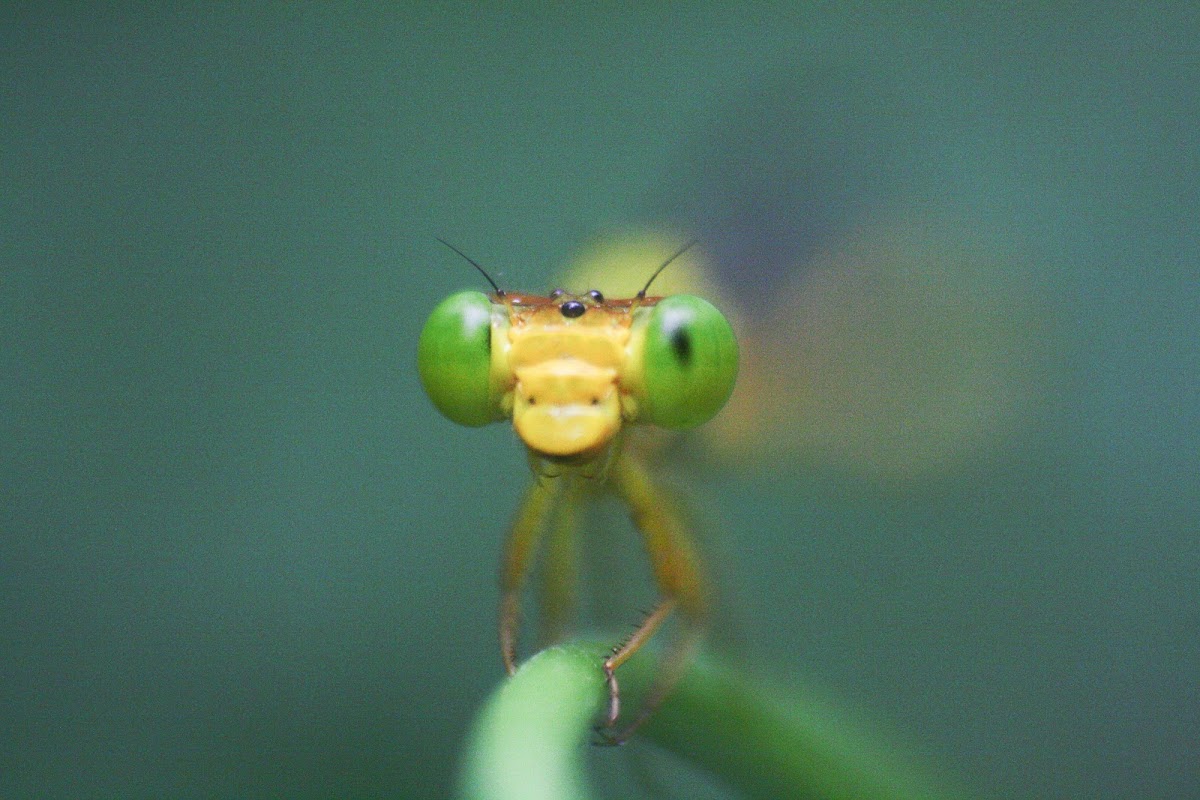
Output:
(678, 576)
(522, 541)
(560, 569)
(624, 651)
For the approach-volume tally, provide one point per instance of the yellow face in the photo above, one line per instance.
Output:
(565, 359)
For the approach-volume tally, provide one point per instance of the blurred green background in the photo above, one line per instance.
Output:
(243, 556)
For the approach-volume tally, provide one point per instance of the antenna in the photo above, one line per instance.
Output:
(483, 272)
(642, 294)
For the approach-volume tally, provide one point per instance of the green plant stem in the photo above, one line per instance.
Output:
(758, 737)
(529, 741)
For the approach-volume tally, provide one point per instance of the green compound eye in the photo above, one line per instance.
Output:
(690, 362)
(454, 357)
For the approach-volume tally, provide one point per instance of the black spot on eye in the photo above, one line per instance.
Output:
(681, 346)
(557, 293)
(572, 309)
(596, 296)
